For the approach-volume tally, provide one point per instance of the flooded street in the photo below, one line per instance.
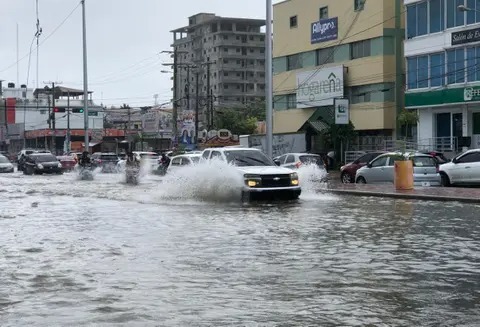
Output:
(76, 253)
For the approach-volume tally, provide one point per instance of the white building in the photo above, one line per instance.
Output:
(442, 51)
(29, 115)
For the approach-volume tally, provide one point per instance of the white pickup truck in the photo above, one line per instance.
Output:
(260, 174)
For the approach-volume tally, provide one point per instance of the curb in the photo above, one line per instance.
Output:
(426, 197)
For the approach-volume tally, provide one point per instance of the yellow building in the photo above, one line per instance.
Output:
(326, 50)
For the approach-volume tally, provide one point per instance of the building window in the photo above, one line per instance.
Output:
(358, 5)
(437, 69)
(294, 62)
(473, 64)
(360, 94)
(293, 22)
(422, 76)
(323, 12)
(324, 56)
(455, 17)
(360, 49)
(436, 15)
(456, 66)
(291, 101)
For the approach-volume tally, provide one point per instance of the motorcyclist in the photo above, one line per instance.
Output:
(165, 160)
(132, 161)
(84, 159)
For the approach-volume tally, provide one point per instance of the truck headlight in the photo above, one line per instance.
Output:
(294, 179)
(252, 180)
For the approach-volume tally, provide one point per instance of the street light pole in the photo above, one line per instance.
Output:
(465, 8)
(268, 81)
(85, 78)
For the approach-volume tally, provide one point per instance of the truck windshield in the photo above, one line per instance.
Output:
(248, 158)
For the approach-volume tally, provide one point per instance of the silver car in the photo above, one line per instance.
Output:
(381, 169)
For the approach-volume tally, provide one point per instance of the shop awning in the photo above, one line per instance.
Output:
(318, 125)
(91, 144)
(291, 121)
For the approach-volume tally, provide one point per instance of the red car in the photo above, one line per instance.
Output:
(68, 162)
(348, 172)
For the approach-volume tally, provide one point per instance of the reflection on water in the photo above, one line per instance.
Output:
(104, 252)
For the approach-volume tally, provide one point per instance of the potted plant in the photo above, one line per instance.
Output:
(403, 169)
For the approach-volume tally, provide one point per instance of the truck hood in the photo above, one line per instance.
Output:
(265, 170)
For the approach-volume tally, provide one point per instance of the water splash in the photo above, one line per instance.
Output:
(312, 178)
(212, 180)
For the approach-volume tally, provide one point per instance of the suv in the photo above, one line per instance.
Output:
(106, 161)
(26, 152)
(260, 174)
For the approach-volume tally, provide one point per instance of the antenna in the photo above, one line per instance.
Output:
(37, 35)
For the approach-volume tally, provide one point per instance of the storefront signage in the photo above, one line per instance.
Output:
(320, 87)
(342, 111)
(443, 97)
(468, 36)
(471, 94)
(324, 30)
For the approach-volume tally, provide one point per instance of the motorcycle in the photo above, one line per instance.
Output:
(86, 172)
(161, 170)
(132, 175)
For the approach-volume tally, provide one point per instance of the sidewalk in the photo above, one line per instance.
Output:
(468, 195)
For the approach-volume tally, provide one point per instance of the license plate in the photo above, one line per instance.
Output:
(425, 184)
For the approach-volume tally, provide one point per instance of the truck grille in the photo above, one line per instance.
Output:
(275, 180)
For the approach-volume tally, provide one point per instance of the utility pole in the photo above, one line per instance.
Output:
(68, 123)
(268, 81)
(85, 77)
(209, 114)
(52, 118)
(197, 100)
(398, 65)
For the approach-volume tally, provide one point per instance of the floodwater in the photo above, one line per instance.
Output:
(183, 251)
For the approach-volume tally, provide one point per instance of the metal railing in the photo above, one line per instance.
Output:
(440, 144)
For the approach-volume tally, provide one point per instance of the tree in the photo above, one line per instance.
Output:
(407, 119)
(338, 136)
(236, 121)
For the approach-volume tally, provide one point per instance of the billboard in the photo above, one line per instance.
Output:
(324, 30)
(319, 87)
(157, 123)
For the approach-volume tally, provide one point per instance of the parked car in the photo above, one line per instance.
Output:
(463, 169)
(348, 171)
(5, 165)
(296, 160)
(381, 169)
(182, 161)
(439, 156)
(68, 162)
(260, 174)
(106, 161)
(42, 163)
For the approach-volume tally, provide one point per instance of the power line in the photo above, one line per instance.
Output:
(44, 40)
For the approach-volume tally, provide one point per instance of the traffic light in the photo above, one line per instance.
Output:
(58, 109)
(77, 110)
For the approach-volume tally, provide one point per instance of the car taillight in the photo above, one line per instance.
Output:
(298, 164)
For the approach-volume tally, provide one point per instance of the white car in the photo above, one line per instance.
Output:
(260, 174)
(149, 158)
(182, 161)
(5, 165)
(463, 169)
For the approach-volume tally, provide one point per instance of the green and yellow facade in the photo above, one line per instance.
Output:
(356, 39)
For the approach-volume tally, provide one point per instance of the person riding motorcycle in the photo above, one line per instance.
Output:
(84, 160)
(165, 160)
(132, 161)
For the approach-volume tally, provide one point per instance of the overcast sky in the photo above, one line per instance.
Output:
(124, 38)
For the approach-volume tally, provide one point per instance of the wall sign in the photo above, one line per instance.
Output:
(467, 36)
(319, 88)
(324, 30)
(342, 111)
